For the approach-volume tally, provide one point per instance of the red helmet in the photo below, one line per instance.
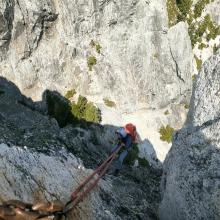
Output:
(131, 129)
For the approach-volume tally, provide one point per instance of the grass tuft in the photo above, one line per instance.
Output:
(91, 61)
(70, 93)
(166, 112)
(166, 133)
(109, 103)
(198, 62)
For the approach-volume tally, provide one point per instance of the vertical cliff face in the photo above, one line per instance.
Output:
(119, 50)
(190, 182)
(125, 57)
(122, 51)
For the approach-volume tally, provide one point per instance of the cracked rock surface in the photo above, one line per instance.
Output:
(191, 177)
(46, 45)
(139, 63)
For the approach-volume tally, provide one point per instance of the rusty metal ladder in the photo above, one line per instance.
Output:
(17, 210)
(90, 182)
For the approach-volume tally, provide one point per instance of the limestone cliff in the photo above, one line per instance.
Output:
(190, 181)
(126, 58)
(137, 63)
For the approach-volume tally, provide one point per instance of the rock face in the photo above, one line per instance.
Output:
(37, 163)
(191, 170)
(33, 177)
(213, 8)
(47, 44)
(122, 51)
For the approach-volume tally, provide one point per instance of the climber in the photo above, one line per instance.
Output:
(126, 136)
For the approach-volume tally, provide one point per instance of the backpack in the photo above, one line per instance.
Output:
(122, 132)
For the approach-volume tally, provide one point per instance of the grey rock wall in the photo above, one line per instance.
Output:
(46, 45)
(190, 184)
(33, 177)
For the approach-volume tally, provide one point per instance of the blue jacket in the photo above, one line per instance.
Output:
(127, 140)
(124, 138)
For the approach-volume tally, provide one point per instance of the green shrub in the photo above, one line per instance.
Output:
(96, 45)
(78, 108)
(166, 112)
(186, 106)
(201, 28)
(82, 103)
(132, 155)
(199, 6)
(197, 30)
(172, 11)
(65, 112)
(198, 62)
(194, 37)
(180, 17)
(85, 110)
(202, 45)
(98, 48)
(75, 111)
(184, 6)
(91, 62)
(194, 77)
(166, 133)
(190, 18)
(109, 103)
(143, 162)
(92, 113)
(70, 94)
(213, 29)
(156, 55)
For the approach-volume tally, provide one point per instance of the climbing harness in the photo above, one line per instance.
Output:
(17, 210)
